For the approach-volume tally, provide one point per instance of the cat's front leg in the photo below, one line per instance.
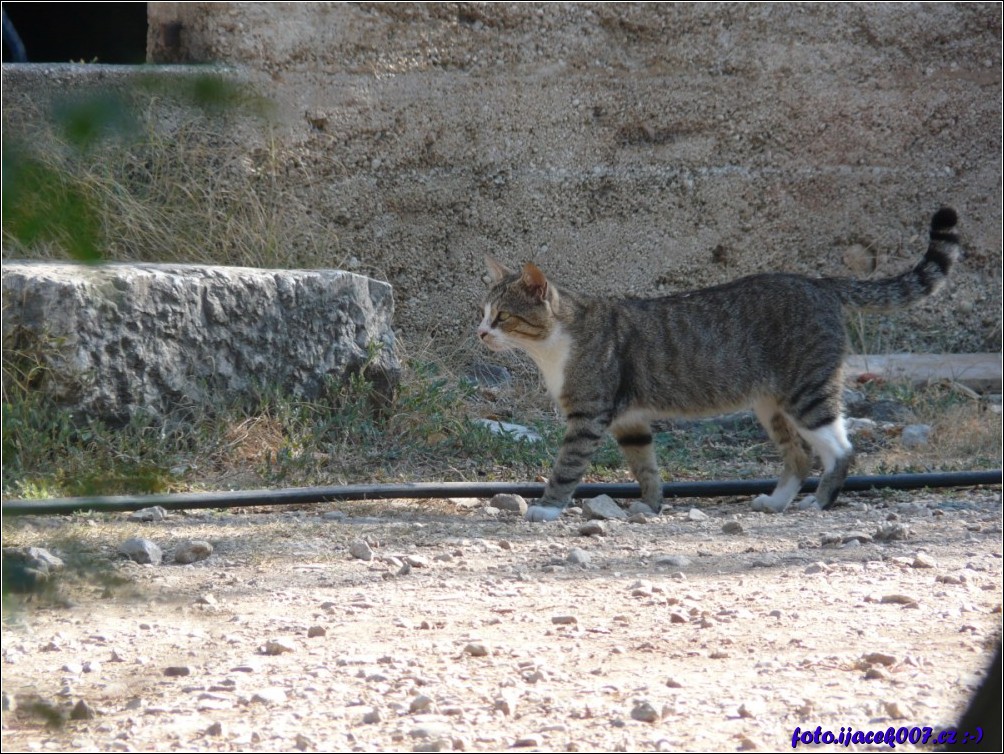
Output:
(582, 438)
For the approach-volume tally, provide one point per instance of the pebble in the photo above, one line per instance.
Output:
(142, 551)
(564, 620)
(638, 518)
(506, 703)
(915, 435)
(896, 711)
(879, 658)
(672, 561)
(153, 513)
(361, 550)
(923, 560)
(750, 710)
(315, 631)
(272, 695)
(594, 528)
(279, 646)
(603, 507)
(177, 671)
(673, 684)
(644, 712)
(82, 711)
(732, 527)
(373, 716)
(898, 599)
(578, 556)
(192, 551)
(476, 649)
(420, 704)
(510, 503)
(817, 567)
(697, 515)
(892, 530)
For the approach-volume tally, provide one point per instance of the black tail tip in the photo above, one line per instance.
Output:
(944, 219)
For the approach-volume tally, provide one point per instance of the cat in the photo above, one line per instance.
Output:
(772, 342)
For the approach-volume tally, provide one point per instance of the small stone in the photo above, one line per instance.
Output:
(672, 561)
(878, 658)
(638, 518)
(578, 556)
(315, 631)
(896, 711)
(141, 550)
(419, 704)
(732, 527)
(818, 567)
(279, 646)
(190, 552)
(915, 435)
(302, 743)
(510, 503)
(594, 528)
(476, 649)
(506, 703)
(373, 716)
(860, 536)
(750, 710)
(898, 599)
(206, 599)
(177, 671)
(923, 560)
(361, 550)
(153, 513)
(82, 711)
(644, 712)
(891, 531)
(697, 515)
(334, 516)
(673, 684)
(747, 744)
(603, 507)
(272, 695)
(564, 620)
(677, 618)
(216, 729)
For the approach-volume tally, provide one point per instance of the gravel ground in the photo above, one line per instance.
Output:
(709, 628)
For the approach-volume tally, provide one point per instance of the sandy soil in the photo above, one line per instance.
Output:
(471, 630)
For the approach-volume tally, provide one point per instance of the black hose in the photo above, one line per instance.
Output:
(301, 495)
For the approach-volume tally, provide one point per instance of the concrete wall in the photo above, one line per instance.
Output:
(629, 148)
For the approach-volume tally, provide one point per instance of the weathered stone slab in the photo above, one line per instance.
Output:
(122, 338)
(980, 371)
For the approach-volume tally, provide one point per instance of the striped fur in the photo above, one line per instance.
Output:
(773, 342)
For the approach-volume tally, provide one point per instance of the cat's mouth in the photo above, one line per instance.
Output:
(492, 343)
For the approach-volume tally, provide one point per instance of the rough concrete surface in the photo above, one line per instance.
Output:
(627, 148)
(163, 338)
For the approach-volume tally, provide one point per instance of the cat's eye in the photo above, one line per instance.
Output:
(502, 316)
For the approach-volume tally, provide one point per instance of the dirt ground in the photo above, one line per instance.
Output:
(709, 628)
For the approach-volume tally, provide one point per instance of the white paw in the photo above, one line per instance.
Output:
(539, 513)
(809, 503)
(768, 504)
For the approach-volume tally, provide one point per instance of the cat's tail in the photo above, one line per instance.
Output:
(924, 280)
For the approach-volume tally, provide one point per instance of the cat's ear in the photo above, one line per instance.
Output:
(534, 280)
(496, 270)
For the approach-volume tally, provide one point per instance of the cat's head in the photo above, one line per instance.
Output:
(520, 308)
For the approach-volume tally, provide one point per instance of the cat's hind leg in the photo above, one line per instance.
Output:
(635, 442)
(794, 449)
(836, 452)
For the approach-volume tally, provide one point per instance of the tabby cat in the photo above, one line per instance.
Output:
(774, 342)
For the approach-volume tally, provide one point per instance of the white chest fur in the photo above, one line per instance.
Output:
(551, 356)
